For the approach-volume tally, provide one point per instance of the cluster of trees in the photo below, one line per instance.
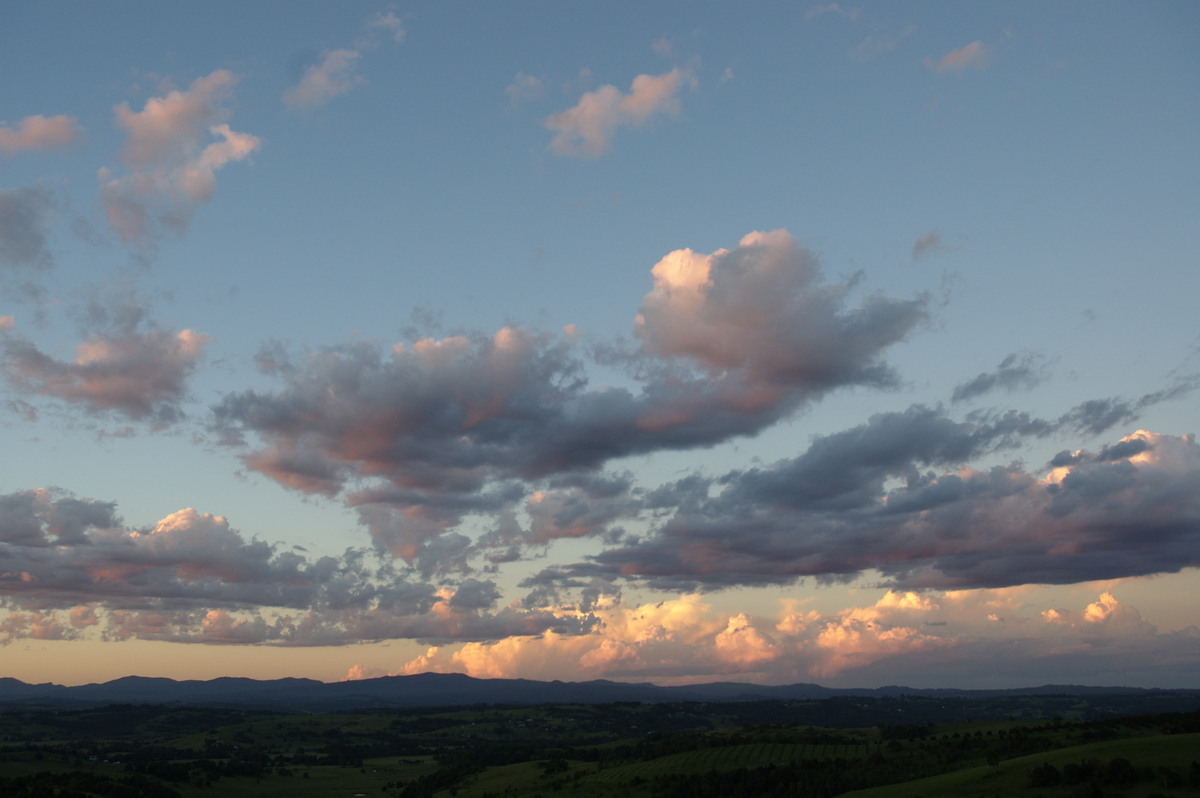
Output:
(78, 784)
(1117, 772)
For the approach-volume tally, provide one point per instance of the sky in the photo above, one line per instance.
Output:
(852, 343)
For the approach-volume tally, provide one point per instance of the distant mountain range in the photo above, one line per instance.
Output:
(441, 690)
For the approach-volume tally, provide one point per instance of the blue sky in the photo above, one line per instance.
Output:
(841, 342)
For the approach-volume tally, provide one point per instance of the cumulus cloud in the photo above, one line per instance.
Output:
(762, 311)
(837, 511)
(138, 374)
(587, 128)
(172, 168)
(972, 56)
(429, 433)
(39, 133)
(688, 640)
(25, 216)
(69, 564)
(331, 76)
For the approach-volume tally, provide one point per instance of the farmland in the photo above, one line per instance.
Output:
(1036, 746)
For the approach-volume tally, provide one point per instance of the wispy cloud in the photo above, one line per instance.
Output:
(1013, 373)
(25, 217)
(525, 88)
(39, 133)
(831, 8)
(972, 56)
(389, 22)
(928, 244)
(879, 43)
(334, 73)
(330, 77)
(587, 128)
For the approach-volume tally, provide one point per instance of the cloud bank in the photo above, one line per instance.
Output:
(69, 564)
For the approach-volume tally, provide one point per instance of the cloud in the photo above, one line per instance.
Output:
(334, 72)
(928, 244)
(972, 56)
(25, 216)
(587, 128)
(429, 433)
(1013, 373)
(173, 171)
(836, 511)
(525, 88)
(883, 42)
(138, 374)
(39, 133)
(933, 637)
(389, 22)
(761, 310)
(191, 577)
(330, 77)
(831, 8)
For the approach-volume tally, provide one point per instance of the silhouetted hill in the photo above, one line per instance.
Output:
(440, 690)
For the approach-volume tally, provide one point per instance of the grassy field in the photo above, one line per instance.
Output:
(1012, 778)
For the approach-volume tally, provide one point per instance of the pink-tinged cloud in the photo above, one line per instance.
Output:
(587, 128)
(330, 77)
(761, 310)
(426, 434)
(39, 134)
(972, 56)
(140, 375)
(172, 168)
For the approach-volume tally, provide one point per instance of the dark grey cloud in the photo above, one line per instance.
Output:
(426, 433)
(881, 496)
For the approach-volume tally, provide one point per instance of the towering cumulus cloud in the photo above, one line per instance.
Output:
(425, 434)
